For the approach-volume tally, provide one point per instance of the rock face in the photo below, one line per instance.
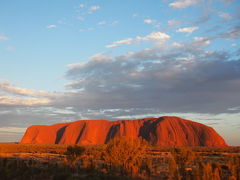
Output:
(163, 131)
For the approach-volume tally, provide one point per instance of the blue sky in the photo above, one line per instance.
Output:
(89, 59)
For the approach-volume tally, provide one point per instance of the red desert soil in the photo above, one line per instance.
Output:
(163, 131)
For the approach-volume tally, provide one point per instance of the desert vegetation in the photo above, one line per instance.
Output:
(32, 148)
(121, 158)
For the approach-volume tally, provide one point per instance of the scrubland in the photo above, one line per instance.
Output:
(120, 159)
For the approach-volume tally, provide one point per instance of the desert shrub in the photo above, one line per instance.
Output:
(74, 154)
(92, 157)
(184, 155)
(207, 172)
(32, 148)
(234, 166)
(126, 155)
(173, 168)
(181, 163)
(216, 174)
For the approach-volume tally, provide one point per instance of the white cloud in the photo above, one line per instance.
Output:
(135, 15)
(9, 48)
(155, 36)
(149, 21)
(176, 44)
(200, 42)
(225, 16)
(183, 3)
(232, 33)
(234, 108)
(188, 29)
(8, 88)
(87, 29)
(3, 38)
(8, 100)
(121, 42)
(12, 129)
(183, 81)
(114, 22)
(101, 22)
(12, 95)
(81, 5)
(94, 8)
(62, 21)
(152, 22)
(52, 26)
(80, 18)
(173, 22)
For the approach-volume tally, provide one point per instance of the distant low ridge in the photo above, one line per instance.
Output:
(163, 131)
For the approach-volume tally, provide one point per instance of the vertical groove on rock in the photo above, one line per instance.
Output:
(81, 133)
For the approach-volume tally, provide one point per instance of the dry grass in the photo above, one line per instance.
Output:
(50, 161)
(32, 148)
(61, 149)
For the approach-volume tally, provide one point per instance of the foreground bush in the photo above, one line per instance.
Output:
(74, 154)
(125, 155)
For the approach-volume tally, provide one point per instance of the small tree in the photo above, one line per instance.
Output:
(207, 172)
(234, 166)
(73, 154)
(173, 168)
(126, 154)
(184, 157)
(216, 174)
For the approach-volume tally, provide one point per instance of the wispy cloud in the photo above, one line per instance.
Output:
(86, 29)
(9, 48)
(101, 22)
(121, 42)
(183, 3)
(190, 80)
(80, 18)
(6, 87)
(234, 109)
(12, 129)
(93, 8)
(52, 26)
(225, 16)
(188, 29)
(155, 36)
(232, 33)
(3, 38)
(149, 21)
(12, 95)
(135, 15)
(176, 44)
(200, 42)
(173, 23)
(8, 100)
(114, 22)
(81, 5)
(152, 22)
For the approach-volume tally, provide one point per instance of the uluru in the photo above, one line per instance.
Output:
(162, 131)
